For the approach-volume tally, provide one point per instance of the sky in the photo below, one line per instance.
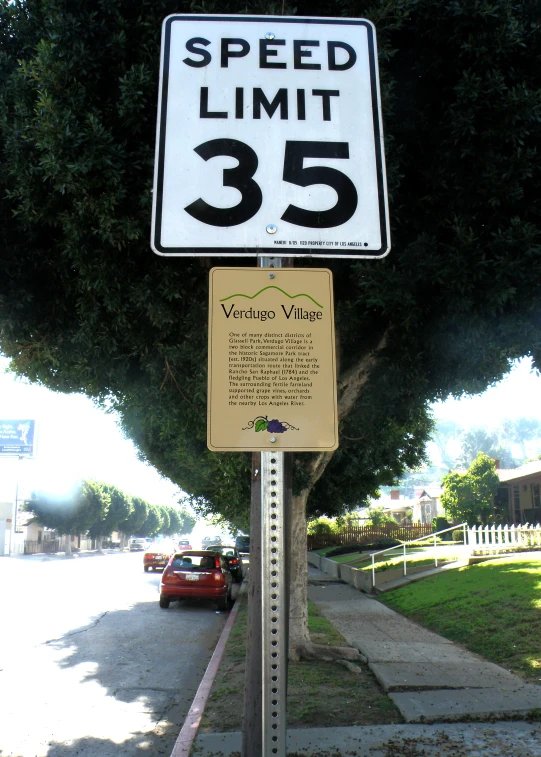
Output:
(75, 439)
(517, 396)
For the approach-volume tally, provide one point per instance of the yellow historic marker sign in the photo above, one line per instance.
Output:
(272, 368)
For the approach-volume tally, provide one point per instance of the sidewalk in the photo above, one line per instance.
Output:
(432, 681)
(429, 678)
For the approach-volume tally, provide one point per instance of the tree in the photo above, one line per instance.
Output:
(445, 433)
(378, 517)
(136, 519)
(180, 522)
(470, 496)
(153, 523)
(481, 440)
(75, 513)
(84, 306)
(120, 508)
(521, 430)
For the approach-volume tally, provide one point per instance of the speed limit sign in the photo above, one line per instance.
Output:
(269, 138)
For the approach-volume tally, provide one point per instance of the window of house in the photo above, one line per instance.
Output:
(536, 495)
(39, 537)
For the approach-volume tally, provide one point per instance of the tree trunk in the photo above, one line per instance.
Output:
(300, 646)
(298, 595)
(68, 545)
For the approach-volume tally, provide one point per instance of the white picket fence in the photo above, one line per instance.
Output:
(501, 538)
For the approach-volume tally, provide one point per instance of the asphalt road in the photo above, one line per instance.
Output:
(89, 663)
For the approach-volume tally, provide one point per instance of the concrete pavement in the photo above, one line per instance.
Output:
(432, 681)
(429, 678)
(509, 739)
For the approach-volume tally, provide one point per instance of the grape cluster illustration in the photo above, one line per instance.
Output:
(274, 426)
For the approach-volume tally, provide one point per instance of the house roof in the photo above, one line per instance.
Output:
(528, 469)
(432, 491)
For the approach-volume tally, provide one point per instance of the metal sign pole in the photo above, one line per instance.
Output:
(274, 593)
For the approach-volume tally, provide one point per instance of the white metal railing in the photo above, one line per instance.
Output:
(433, 537)
(500, 538)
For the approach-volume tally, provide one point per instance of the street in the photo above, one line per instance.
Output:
(89, 664)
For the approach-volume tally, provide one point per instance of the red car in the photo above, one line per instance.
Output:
(197, 575)
(157, 556)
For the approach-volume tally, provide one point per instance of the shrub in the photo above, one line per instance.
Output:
(321, 526)
(458, 535)
(383, 543)
(344, 549)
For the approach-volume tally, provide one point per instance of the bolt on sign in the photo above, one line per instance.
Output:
(269, 138)
(272, 370)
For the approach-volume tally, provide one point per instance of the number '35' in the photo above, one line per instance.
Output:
(241, 177)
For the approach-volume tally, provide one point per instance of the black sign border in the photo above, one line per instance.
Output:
(282, 250)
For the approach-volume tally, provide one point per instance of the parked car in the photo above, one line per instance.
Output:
(197, 575)
(158, 555)
(206, 541)
(184, 544)
(137, 545)
(242, 543)
(234, 560)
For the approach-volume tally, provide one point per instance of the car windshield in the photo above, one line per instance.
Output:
(228, 552)
(193, 562)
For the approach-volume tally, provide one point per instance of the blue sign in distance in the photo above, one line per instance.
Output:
(17, 437)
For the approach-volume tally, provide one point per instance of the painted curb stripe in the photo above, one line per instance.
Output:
(189, 730)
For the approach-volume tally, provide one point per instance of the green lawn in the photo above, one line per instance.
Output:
(415, 557)
(493, 609)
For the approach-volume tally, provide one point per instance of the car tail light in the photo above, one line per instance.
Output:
(219, 577)
(234, 561)
(148, 556)
(169, 578)
(217, 562)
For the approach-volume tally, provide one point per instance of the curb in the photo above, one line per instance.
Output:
(188, 732)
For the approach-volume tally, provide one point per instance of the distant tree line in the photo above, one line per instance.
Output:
(98, 509)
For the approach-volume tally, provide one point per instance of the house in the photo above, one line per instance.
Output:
(519, 493)
(427, 504)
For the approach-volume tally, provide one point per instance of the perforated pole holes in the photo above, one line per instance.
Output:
(273, 595)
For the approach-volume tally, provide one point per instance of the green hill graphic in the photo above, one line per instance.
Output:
(271, 286)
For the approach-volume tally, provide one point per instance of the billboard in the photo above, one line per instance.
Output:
(17, 437)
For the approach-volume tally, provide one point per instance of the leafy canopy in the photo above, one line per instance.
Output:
(85, 306)
(100, 509)
(470, 496)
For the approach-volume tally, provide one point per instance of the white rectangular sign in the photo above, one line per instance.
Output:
(269, 139)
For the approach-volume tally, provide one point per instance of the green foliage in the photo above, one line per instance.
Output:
(440, 524)
(480, 440)
(458, 535)
(99, 509)
(134, 522)
(322, 525)
(153, 523)
(470, 496)
(120, 508)
(85, 306)
(75, 513)
(378, 517)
